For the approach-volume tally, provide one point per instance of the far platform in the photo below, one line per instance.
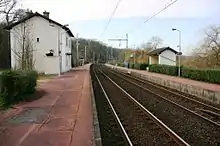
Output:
(207, 91)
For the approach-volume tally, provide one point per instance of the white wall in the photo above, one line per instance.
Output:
(167, 57)
(48, 39)
(66, 48)
(52, 68)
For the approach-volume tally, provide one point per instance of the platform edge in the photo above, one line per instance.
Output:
(96, 129)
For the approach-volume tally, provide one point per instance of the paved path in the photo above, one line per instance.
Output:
(62, 117)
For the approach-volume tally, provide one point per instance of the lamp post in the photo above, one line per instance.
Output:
(179, 53)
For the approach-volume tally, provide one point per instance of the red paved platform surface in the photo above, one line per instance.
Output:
(62, 117)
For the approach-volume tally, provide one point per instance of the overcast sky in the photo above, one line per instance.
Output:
(89, 17)
(64, 10)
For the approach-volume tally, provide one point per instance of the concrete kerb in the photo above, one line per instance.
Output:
(205, 94)
(96, 129)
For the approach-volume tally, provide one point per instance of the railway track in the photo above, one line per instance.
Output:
(190, 126)
(206, 111)
(110, 130)
(139, 126)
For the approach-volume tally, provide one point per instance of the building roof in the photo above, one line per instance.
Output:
(42, 16)
(160, 50)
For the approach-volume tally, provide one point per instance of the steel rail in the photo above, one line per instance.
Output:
(170, 101)
(158, 122)
(175, 93)
(114, 112)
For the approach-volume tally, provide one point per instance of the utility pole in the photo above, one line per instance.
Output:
(126, 41)
(134, 54)
(93, 57)
(134, 57)
(77, 50)
(85, 53)
(121, 39)
(111, 53)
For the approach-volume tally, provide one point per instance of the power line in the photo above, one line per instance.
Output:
(151, 17)
(110, 19)
(160, 11)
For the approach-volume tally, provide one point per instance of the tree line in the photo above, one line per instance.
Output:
(93, 51)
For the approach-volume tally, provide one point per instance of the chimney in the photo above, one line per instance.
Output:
(46, 14)
(28, 12)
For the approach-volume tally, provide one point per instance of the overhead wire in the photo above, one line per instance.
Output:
(151, 17)
(110, 19)
(160, 11)
(154, 15)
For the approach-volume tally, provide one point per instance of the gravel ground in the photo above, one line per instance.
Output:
(178, 99)
(110, 131)
(191, 128)
(140, 128)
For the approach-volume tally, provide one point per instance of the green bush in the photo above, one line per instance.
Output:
(143, 66)
(164, 69)
(16, 85)
(121, 64)
(131, 65)
(137, 66)
(206, 75)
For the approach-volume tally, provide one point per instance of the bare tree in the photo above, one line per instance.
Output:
(24, 47)
(10, 13)
(152, 44)
(208, 54)
(8, 9)
(212, 44)
(4, 3)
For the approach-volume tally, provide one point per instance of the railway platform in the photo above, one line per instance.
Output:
(203, 90)
(61, 117)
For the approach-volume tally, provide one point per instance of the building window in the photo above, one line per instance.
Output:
(51, 53)
(66, 41)
(38, 39)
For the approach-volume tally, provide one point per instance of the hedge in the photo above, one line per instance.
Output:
(121, 64)
(137, 66)
(164, 69)
(206, 75)
(140, 66)
(131, 65)
(16, 85)
(143, 66)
